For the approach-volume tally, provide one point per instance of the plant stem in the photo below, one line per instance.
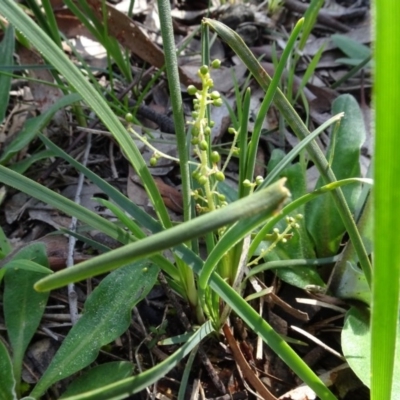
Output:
(171, 64)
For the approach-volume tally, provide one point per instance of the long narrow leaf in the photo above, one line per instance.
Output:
(46, 195)
(267, 101)
(263, 202)
(34, 125)
(6, 59)
(386, 280)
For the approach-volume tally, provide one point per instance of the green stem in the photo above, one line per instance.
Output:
(171, 63)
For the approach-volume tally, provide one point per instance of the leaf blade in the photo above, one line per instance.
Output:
(107, 315)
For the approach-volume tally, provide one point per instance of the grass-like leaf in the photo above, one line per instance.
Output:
(46, 195)
(34, 125)
(264, 202)
(6, 57)
(386, 279)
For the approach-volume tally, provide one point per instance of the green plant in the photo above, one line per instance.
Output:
(224, 227)
(384, 345)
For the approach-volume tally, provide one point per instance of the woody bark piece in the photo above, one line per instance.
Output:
(248, 373)
(131, 37)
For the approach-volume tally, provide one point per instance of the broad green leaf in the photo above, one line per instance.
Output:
(323, 220)
(6, 59)
(34, 125)
(347, 280)
(7, 381)
(356, 346)
(107, 315)
(351, 61)
(353, 284)
(99, 376)
(23, 306)
(128, 386)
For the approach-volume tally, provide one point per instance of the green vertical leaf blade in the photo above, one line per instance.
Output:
(6, 59)
(386, 278)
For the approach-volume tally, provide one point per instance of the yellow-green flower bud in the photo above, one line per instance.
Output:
(216, 63)
(215, 95)
(195, 130)
(259, 180)
(129, 117)
(236, 151)
(203, 145)
(219, 176)
(153, 161)
(215, 157)
(192, 90)
(203, 70)
(202, 180)
(217, 102)
(196, 175)
(247, 183)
